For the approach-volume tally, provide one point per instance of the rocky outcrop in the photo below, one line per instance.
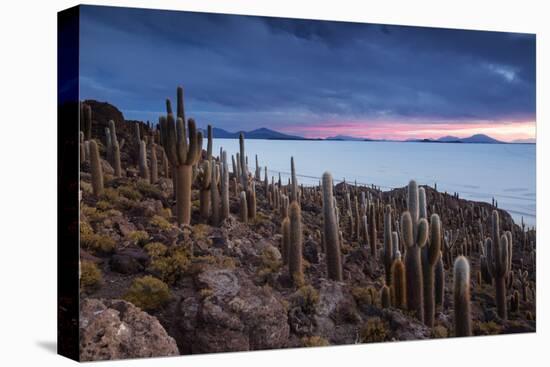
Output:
(230, 313)
(116, 329)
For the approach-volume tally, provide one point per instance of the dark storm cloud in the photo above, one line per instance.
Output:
(244, 72)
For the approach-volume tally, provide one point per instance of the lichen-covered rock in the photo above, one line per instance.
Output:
(116, 329)
(233, 315)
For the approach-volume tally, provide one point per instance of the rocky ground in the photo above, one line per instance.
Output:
(149, 288)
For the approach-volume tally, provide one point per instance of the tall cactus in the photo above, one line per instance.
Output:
(372, 232)
(294, 181)
(330, 231)
(243, 165)
(225, 187)
(398, 284)
(215, 195)
(461, 295)
(499, 264)
(82, 148)
(439, 281)
(285, 239)
(430, 257)
(209, 143)
(115, 149)
(295, 249)
(97, 170)
(86, 118)
(243, 207)
(154, 163)
(414, 241)
(143, 167)
(388, 246)
(204, 180)
(251, 200)
(183, 149)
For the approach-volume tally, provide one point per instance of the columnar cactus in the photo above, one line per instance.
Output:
(385, 296)
(183, 149)
(86, 118)
(215, 195)
(388, 246)
(461, 295)
(422, 210)
(115, 149)
(439, 281)
(285, 239)
(204, 178)
(294, 181)
(154, 164)
(257, 171)
(251, 201)
(372, 231)
(243, 208)
(330, 231)
(97, 170)
(413, 262)
(225, 187)
(295, 249)
(82, 148)
(430, 256)
(243, 165)
(209, 143)
(234, 165)
(499, 263)
(398, 284)
(143, 167)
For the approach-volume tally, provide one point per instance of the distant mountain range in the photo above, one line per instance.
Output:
(264, 133)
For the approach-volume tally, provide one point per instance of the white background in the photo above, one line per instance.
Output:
(28, 181)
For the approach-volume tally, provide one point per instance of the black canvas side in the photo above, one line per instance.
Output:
(67, 182)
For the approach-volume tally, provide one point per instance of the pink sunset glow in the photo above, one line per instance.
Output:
(504, 131)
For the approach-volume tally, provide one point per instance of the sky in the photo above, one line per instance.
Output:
(308, 77)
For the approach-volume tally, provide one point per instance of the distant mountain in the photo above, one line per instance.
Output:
(448, 138)
(345, 137)
(525, 141)
(261, 133)
(480, 138)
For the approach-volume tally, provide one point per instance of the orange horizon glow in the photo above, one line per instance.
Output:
(503, 131)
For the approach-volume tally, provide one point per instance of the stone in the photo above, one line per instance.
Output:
(116, 329)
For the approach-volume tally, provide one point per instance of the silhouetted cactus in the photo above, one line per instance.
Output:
(86, 118)
(143, 167)
(97, 170)
(398, 284)
(388, 246)
(430, 257)
(183, 149)
(209, 143)
(330, 231)
(461, 295)
(295, 249)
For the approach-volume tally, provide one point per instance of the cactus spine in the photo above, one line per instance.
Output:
(295, 250)
(461, 294)
(183, 149)
(388, 245)
(430, 257)
(330, 231)
(97, 170)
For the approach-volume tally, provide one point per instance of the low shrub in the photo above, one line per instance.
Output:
(90, 276)
(148, 293)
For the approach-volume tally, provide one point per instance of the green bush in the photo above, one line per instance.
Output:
(307, 298)
(171, 265)
(129, 193)
(97, 243)
(148, 190)
(161, 222)
(139, 238)
(148, 293)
